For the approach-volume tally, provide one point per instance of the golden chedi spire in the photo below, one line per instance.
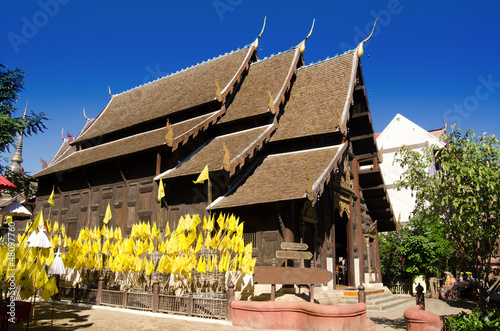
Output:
(17, 159)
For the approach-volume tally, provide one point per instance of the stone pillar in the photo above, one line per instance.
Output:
(230, 299)
(100, 284)
(156, 293)
(361, 293)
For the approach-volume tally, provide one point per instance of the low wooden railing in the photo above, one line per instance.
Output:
(207, 305)
(401, 286)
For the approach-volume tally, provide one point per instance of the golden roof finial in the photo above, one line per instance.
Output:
(256, 42)
(302, 46)
(109, 90)
(84, 115)
(360, 46)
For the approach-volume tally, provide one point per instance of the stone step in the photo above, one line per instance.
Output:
(385, 301)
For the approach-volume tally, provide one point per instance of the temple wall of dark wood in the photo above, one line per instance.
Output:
(130, 202)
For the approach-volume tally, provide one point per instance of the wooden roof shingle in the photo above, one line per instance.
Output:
(264, 76)
(183, 90)
(121, 147)
(318, 99)
(282, 177)
(212, 153)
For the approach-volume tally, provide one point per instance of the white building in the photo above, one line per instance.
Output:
(401, 131)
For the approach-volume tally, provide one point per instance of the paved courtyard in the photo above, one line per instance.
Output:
(84, 317)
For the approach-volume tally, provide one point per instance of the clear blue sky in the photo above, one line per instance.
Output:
(428, 60)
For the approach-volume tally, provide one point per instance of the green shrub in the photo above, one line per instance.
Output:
(473, 321)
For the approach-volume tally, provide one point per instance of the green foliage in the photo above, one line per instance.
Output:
(461, 200)
(25, 185)
(417, 249)
(473, 321)
(11, 84)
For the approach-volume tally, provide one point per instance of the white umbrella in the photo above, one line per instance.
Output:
(40, 239)
(15, 209)
(57, 266)
(31, 237)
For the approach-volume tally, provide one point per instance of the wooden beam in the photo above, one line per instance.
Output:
(363, 157)
(360, 114)
(368, 171)
(379, 210)
(362, 137)
(375, 200)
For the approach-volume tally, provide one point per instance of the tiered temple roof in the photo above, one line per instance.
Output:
(276, 127)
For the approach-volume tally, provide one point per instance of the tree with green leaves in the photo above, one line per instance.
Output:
(460, 198)
(11, 84)
(419, 248)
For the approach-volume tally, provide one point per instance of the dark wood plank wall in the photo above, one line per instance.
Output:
(87, 207)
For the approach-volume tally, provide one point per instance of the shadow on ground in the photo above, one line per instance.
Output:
(397, 324)
(62, 317)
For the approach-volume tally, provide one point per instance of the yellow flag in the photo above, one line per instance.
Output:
(38, 220)
(203, 176)
(199, 243)
(27, 289)
(51, 198)
(41, 279)
(201, 268)
(149, 267)
(167, 230)
(161, 190)
(108, 215)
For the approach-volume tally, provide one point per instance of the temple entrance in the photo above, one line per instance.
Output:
(341, 252)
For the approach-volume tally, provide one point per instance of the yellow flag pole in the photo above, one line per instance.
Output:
(209, 197)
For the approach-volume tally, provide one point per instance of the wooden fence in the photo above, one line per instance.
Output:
(401, 286)
(207, 305)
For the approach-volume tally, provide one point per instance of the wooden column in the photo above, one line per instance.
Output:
(376, 254)
(323, 227)
(359, 227)
(334, 252)
(125, 207)
(350, 246)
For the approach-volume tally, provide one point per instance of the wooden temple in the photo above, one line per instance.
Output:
(290, 149)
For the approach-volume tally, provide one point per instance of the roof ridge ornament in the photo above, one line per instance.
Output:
(309, 189)
(218, 92)
(226, 161)
(84, 115)
(256, 42)
(302, 45)
(360, 46)
(109, 90)
(271, 103)
(169, 137)
(44, 163)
